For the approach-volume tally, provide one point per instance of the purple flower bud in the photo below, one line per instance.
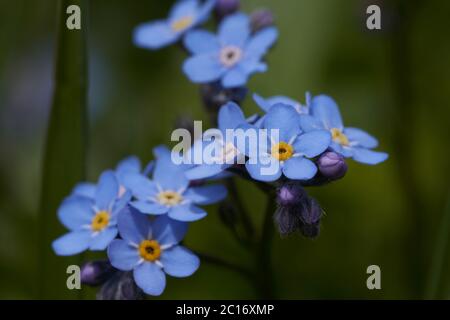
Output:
(311, 214)
(261, 19)
(120, 287)
(287, 220)
(226, 7)
(94, 273)
(290, 194)
(332, 165)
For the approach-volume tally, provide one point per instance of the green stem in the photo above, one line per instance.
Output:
(225, 264)
(439, 255)
(243, 214)
(65, 151)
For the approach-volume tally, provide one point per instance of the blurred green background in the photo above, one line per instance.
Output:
(394, 83)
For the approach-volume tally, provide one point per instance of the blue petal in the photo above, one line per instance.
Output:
(154, 35)
(179, 262)
(312, 143)
(85, 189)
(186, 213)
(326, 110)
(149, 168)
(203, 68)
(235, 77)
(150, 278)
(100, 241)
(183, 8)
(368, 156)
(284, 100)
(310, 123)
(161, 151)
(299, 168)
(122, 255)
(141, 186)
(205, 10)
(167, 231)
(107, 190)
(261, 42)
(204, 171)
(230, 116)
(264, 172)
(75, 212)
(134, 226)
(363, 139)
(147, 207)
(285, 119)
(235, 30)
(169, 176)
(129, 165)
(200, 41)
(206, 194)
(261, 102)
(72, 243)
(345, 152)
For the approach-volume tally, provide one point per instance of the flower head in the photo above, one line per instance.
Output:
(92, 221)
(151, 250)
(169, 192)
(283, 149)
(231, 56)
(185, 15)
(349, 142)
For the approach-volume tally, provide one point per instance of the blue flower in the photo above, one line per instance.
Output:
(283, 149)
(266, 104)
(169, 192)
(231, 56)
(151, 250)
(349, 142)
(184, 15)
(129, 165)
(91, 221)
(230, 117)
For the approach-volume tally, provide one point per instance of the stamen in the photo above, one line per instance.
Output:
(282, 151)
(230, 55)
(149, 250)
(100, 221)
(182, 23)
(170, 198)
(339, 137)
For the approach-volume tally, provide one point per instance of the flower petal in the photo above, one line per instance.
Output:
(169, 176)
(201, 41)
(154, 35)
(150, 278)
(264, 104)
(75, 212)
(134, 226)
(147, 207)
(85, 189)
(299, 168)
(234, 30)
(168, 231)
(179, 262)
(107, 190)
(186, 213)
(203, 68)
(326, 110)
(235, 77)
(264, 169)
(204, 171)
(312, 143)
(72, 243)
(141, 186)
(368, 156)
(206, 194)
(363, 139)
(230, 116)
(129, 165)
(183, 8)
(310, 123)
(285, 119)
(123, 256)
(100, 241)
(260, 43)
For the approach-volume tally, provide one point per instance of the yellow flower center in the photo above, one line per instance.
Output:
(100, 221)
(169, 198)
(230, 55)
(282, 151)
(149, 250)
(182, 23)
(339, 137)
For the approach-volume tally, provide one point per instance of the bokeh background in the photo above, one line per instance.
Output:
(395, 83)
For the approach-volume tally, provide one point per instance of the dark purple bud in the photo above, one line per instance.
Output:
(290, 194)
(332, 165)
(287, 220)
(261, 19)
(120, 287)
(94, 273)
(310, 216)
(226, 7)
(214, 96)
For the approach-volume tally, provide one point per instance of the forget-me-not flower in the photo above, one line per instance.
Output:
(185, 15)
(151, 250)
(349, 142)
(169, 192)
(230, 56)
(266, 103)
(92, 221)
(283, 149)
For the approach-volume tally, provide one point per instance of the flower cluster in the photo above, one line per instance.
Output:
(140, 216)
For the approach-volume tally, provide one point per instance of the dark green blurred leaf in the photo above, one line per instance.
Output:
(64, 162)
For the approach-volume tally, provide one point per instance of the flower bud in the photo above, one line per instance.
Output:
(310, 216)
(289, 199)
(332, 165)
(290, 194)
(120, 287)
(94, 273)
(261, 19)
(226, 7)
